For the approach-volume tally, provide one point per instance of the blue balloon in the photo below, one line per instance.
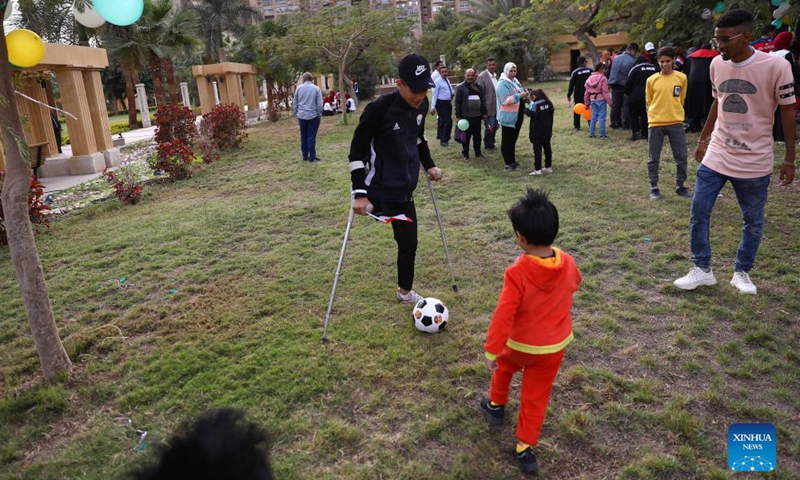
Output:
(119, 12)
(719, 7)
(775, 3)
(777, 23)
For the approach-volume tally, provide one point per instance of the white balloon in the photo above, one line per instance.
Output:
(9, 11)
(706, 14)
(89, 18)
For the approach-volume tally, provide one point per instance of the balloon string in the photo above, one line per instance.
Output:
(46, 105)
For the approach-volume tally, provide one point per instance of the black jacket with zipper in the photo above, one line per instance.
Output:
(387, 148)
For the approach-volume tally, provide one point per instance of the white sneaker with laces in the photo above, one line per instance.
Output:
(408, 298)
(535, 172)
(695, 278)
(548, 170)
(741, 280)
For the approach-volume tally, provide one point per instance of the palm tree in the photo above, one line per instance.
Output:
(124, 43)
(180, 34)
(485, 12)
(218, 16)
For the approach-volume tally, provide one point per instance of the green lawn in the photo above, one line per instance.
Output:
(227, 278)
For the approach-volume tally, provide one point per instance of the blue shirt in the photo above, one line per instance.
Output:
(307, 104)
(442, 91)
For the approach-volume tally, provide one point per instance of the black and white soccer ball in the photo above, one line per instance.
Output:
(430, 315)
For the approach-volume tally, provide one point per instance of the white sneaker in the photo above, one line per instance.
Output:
(741, 280)
(409, 298)
(535, 172)
(695, 278)
(548, 170)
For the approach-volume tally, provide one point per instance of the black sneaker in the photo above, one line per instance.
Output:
(314, 160)
(480, 155)
(636, 136)
(683, 192)
(465, 157)
(655, 194)
(527, 460)
(494, 414)
(512, 167)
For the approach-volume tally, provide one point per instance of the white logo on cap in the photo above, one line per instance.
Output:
(419, 119)
(420, 70)
(396, 126)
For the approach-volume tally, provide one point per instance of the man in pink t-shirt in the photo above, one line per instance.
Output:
(748, 87)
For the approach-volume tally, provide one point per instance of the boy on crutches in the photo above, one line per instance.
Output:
(385, 155)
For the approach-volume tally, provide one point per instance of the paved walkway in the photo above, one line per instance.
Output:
(56, 184)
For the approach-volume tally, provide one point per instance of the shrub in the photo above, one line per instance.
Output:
(225, 125)
(176, 159)
(36, 208)
(127, 183)
(175, 122)
(207, 149)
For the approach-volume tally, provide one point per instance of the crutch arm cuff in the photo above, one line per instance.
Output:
(359, 193)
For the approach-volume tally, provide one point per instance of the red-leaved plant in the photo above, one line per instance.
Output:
(127, 184)
(175, 122)
(225, 125)
(36, 208)
(176, 158)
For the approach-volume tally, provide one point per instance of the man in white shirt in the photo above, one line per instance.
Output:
(442, 104)
(488, 82)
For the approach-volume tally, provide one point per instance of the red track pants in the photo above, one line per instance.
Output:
(538, 373)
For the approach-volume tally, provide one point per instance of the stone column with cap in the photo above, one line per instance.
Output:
(187, 102)
(144, 110)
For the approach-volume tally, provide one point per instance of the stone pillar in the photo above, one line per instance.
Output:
(251, 91)
(264, 90)
(233, 84)
(216, 93)
(187, 102)
(97, 107)
(144, 111)
(86, 159)
(39, 127)
(207, 99)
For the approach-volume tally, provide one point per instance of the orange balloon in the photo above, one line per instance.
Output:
(587, 114)
(579, 108)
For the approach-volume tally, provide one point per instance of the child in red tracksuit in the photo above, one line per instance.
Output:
(531, 324)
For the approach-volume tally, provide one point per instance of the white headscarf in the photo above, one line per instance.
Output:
(513, 81)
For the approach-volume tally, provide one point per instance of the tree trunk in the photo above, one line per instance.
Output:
(158, 84)
(172, 83)
(581, 35)
(130, 84)
(22, 245)
(341, 87)
(272, 112)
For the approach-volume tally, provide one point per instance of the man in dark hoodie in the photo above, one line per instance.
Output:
(698, 94)
(577, 82)
(635, 90)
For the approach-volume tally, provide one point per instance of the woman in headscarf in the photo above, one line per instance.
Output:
(510, 112)
(782, 43)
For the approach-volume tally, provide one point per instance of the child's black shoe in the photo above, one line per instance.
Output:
(494, 413)
(527, 460)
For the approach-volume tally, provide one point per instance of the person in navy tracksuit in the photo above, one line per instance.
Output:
(540, 109)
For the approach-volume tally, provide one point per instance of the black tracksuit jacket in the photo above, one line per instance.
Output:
(387, 148)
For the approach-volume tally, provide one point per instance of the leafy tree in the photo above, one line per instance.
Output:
(50, 19)
(217, 17)
(682, 20)
(124, 44)
(260, 47)
(22, 245)
(443, 35)
(339, 36)
(523, 36)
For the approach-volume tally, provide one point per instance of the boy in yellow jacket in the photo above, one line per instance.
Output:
(531, 325)
(665, 94)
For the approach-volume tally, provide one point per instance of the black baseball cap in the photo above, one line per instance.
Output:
(415, 72)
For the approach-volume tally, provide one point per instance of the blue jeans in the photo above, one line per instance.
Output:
(751, 194)
(308, 137)
(488, 136)
(598, 117)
